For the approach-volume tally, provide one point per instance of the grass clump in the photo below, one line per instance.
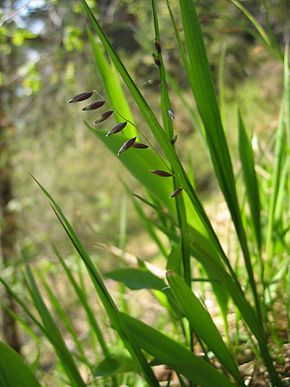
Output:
(200, 352)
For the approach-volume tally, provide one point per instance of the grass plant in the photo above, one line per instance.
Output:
(190, 244)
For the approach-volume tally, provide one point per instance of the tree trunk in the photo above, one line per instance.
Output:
(7, 224)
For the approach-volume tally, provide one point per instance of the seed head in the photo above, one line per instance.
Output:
(161, 173)
(140, 145)
(175, 193)
(81, 97)
(95, 105)
(104, 116)
(128, 144)
(117, 128)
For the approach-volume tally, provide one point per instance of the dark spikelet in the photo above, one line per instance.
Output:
(161, 173)
(128, 144)
(104, 116)
(140, 145)
(175, 193)
(157, 46)
(117, 128)
(173, 140)
(171, 114)
(156, 60)
(94, 105)
(152, 82)
(81, 97)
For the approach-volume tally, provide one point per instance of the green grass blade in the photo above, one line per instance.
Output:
(207, 105)
(136, 279)
(25, 325)
(202, 323)
(250, 179)
(165, 102)
(63, 352)
(54, 301)
(221, 83)
(169, 352)
(268, 36)
(83, 300)
(26, 309)
(103, 293)
(254, 21)
(13, 371)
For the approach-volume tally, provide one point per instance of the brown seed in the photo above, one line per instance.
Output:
(104, 116)
(140, 145)
(117, 128)
(156, 60)
(152, 82)
(175, 193)
(157, 46)
(173, 140)
(94, 105)
(161, 173)
(128, 144)
(81, 97)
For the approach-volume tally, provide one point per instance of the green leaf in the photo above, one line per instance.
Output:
(136, 279)
(202, 323)
(107, 367)
(176, 356)
(13, 371)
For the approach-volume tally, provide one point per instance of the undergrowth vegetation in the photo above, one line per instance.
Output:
(246, 270)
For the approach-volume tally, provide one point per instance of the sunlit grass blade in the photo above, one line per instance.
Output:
(206, 101)
(202, 323)
(103, 294)
(169, 352)
(252, 190)
(138, 162)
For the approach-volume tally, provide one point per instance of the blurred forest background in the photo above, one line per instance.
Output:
(46, 59)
